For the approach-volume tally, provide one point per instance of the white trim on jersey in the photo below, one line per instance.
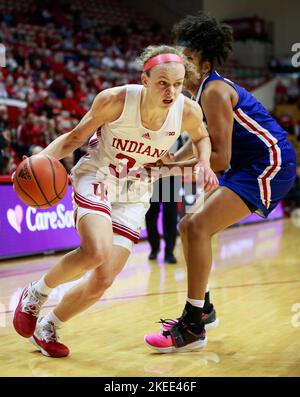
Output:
(125, 231)
(197, 98)
(89, 204)
(264, 179)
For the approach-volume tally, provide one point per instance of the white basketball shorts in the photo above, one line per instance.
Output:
(90, 197)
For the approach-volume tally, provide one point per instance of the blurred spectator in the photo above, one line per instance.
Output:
(21, 89)
(11, 63)
(286, 122)
(70, 104)
(7, 165)
(29, 132)
(3, 92)
(8, 155)
(293, 93)
(10, 85)
(58, 86)
(3, 118)
(280, 93)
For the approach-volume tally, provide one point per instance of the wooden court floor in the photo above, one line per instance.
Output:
(255, 287)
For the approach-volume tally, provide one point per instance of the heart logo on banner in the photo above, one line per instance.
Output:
(15, 217)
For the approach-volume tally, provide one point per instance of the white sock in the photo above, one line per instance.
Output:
(41, 287)
(196, 302)
(52, 318)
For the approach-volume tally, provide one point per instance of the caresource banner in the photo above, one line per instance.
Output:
(25, 230)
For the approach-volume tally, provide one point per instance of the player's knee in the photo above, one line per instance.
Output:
(195, 229)
(95, 255)
(98, 285)
(105, 281)
(183, 224)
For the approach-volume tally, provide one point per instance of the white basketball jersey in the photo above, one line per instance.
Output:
(120, 148)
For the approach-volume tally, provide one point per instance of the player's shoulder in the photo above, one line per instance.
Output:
(216, 89)
(191, 109)
(110, 102)
(112, 96)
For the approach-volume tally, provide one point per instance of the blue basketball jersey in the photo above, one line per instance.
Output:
(263, 164)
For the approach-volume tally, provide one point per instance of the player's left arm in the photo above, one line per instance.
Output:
(198, 147)
(193, 124)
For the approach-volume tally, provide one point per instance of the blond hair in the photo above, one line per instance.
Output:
(151, 51)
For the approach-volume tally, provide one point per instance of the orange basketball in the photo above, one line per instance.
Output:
(40, 181)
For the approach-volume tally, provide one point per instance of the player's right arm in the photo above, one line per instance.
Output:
(107, 107)
(185, 152)
(217, 102)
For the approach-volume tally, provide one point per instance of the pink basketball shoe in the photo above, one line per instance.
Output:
(210, 320)
(178, 338)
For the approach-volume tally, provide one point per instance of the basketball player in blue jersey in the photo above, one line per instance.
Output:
(252, 149)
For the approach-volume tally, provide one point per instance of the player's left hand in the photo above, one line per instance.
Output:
(210, 179)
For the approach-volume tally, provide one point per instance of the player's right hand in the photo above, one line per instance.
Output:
(167, 159)
(14, 173)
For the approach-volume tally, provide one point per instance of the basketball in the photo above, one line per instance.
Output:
(40, 181)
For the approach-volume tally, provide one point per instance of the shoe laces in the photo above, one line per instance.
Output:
(166, 334)
(183, 327)
(48, 332)
(32, 302)
(168, 321)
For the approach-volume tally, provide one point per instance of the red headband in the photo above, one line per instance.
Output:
(162, 58)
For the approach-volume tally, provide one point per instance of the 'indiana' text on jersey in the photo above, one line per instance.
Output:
(127, 140)
(125, 145)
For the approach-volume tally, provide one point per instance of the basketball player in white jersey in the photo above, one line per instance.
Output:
(135, 124)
